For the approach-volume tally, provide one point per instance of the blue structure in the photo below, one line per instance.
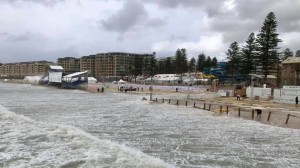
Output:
(219, 72)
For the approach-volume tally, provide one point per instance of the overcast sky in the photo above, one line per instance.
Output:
(32, 30)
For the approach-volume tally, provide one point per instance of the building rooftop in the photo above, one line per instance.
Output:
(54, 67)
(291, 60)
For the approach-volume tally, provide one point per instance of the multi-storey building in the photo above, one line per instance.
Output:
(103, 65)
(119, 64)
(290, 74)
(87, 63)
(22, 69)
(70, 64)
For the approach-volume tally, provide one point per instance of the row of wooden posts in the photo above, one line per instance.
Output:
(227, 109)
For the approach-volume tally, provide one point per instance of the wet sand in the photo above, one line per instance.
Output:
(279, 111)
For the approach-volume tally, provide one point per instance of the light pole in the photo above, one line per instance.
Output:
(190, 83)
(252, 87)
(151, 89)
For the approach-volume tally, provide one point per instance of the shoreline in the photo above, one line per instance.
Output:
(279, 111)
(202, 96)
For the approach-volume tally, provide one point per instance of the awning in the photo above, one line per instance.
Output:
(75, 74)
(56, 67)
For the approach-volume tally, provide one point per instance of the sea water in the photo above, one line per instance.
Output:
(48, 127)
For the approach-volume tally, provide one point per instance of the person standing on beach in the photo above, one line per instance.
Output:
(98, 90)
(296, 99)
(238, 98)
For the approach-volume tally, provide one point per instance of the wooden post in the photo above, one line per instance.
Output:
(169, 101)
(227, 110)
(252, 113)
(239, 112)
(269, 116)
(163, 100)
(287, 119)
(177, 102)
(185, 103)
(194, 104)
(204, 106)
(209, 106)
(220, 109)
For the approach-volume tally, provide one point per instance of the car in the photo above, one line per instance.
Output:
(125, 89)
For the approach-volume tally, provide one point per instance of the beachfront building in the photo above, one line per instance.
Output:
(290, 71)
(69, 64)
(109, 66)
(55, 74)
(22, 69)
(115, 65)
(87, 63)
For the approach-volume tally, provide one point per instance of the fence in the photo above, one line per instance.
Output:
(275, 117)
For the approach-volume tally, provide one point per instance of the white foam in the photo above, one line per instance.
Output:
(27, 143)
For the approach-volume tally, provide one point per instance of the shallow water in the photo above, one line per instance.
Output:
(71, 128)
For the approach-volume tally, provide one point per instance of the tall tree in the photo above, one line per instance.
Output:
(185, 65)
(248, 54)
(214, 61)
(268, 44)
(181, 61)
(201, 61)
(234, 59)
(161, 67)
(286, 53)
(207, 62)
(153, 64)
(192, 64)
(169, 66)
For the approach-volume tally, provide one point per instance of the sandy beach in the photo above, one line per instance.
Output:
(200, 96)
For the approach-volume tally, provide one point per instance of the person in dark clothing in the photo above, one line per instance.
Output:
(258, 112)
(238, 98)
(296, 99)
(98, 90)
(102, 89)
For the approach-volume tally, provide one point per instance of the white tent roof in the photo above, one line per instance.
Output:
(262, 76)
(92, 79)
(75, 74)
(56, 67)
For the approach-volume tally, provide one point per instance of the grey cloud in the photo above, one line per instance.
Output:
(48, 3)
(22, 37)
(132, 13)
(156, 22)
(212, 8)
(3, 34)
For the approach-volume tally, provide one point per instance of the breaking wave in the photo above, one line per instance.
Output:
(28, 143)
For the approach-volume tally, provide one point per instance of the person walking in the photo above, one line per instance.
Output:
(296, 99)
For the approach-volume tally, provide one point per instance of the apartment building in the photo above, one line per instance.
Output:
(119, 64)
(108, 65)
(70, 64)
(290, 74)
(22, 69)
(87, 63)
